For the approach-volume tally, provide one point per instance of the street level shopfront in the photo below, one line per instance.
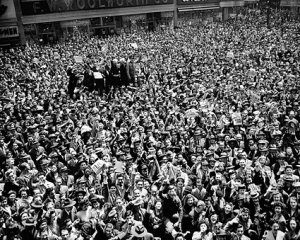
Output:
(292, 5)
(9, 30)
(191, 12)
(231, 8)
(101, 17)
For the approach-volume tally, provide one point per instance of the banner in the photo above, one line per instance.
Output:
(290, 3)
(78, 59)
(48, 6)
(97, 166)
(8, 32)
(189, 2)
(237, 119)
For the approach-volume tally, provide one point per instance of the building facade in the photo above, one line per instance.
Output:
(9, 29)
(50, 20)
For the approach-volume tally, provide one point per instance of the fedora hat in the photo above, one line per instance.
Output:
(69, 203)
(254, 194)
(81, 190)
(37, 204)
(139, 231)
(137, 202)
(296, 184)
(112, 213)
(29, 222)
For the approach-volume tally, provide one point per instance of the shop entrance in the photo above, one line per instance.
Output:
(104, 31)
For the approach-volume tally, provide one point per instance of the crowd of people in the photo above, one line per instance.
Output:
(186, 134)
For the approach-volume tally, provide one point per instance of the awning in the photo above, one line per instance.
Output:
(198, 8)
(239, 3)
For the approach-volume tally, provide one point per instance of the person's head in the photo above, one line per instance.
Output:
(139, 184)
(154, 190)
(172, 191)
(203, 227)
(119, 202)
(200, 206)
(180, 182)
(120, 180)
(245, 214)
(214, 218)
(136, 193)
(240, 230)
(58, 181)
(289, 151)
(68, 224)
(113, 189)
(179, 236)
(4, 201)
(65, 234)
(275, 228)
(36, 192)
(242, 163)
(293, 224)
(199, 183)
(109, 230)
(277, 197)
(92, 190)
(228, 208)
(189, 200)
(12, 196)
(293, 202)
(158, 205)
(44, 235)
(278, 209)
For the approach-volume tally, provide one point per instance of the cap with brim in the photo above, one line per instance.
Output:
(37, 204)
(254, 195)
(64, 169)
(204, 163)
(278, 204)
(69, 203)
(29, 222)
(288, 166)
(80, 191)
(288, 178)
(265, 149)
(296, 184)
(139, 231)
(112, 213)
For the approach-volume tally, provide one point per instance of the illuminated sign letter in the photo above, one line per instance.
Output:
(110, 3)
(81, 4)
(52, 5)
(120, 3)
(92, 3)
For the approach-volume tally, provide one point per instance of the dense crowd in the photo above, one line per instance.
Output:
(186, 134)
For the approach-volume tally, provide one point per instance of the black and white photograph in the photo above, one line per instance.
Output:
(149, 119)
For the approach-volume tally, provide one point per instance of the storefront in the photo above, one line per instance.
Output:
(292, 5)
(100, 17)
(191, 12)
(9, 30)
(231, 8)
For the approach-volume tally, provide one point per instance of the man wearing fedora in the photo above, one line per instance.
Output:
(68, 212)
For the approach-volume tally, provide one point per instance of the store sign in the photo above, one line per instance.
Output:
(189, 2)
(8, 32)
(290, 3)
(48, 6)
